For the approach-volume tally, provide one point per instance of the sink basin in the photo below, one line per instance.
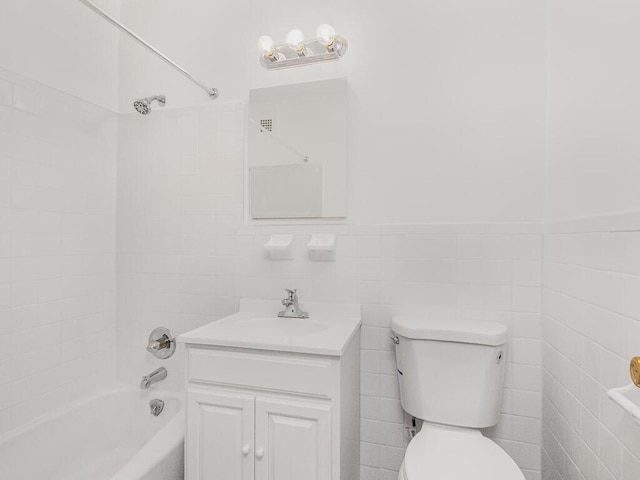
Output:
(256, 326)
(276, 326)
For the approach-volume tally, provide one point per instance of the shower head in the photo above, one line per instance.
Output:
(143, 105)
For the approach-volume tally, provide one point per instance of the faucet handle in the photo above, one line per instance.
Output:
(162, 343)
(292, 295)
(292, 309)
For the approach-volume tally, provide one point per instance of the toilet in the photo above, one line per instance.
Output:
(451, 375)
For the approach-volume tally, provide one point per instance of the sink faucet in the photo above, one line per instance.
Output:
(154, 377)
(291, 306)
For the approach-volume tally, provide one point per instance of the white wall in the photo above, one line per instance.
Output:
(447, 127)
(58, 91)
(591, 329)
(593, 103)
(447, 104)
(591, 316)
(57, 249)
(62, 44)
(184, 260)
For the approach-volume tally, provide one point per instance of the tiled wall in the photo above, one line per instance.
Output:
(57, 249)
(591, 328)
(185, 258)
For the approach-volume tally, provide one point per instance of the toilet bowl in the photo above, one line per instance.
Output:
(440, 453)
(451, 375)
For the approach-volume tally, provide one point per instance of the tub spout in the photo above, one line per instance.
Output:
(153, 377)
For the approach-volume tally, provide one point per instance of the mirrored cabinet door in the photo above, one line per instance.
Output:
(298, 151)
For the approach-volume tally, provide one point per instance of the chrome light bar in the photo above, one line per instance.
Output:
(298, 52)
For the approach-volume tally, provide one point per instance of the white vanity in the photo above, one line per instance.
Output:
(274, 398)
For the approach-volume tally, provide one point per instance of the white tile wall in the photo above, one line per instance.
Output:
(57, 249)
(185, 258)
(591, 328)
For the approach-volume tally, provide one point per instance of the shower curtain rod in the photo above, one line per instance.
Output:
(213, 93)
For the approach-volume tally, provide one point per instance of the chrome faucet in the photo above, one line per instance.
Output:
(154, 377)
(291, 306)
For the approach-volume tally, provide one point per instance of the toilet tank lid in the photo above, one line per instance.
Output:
(461, 331)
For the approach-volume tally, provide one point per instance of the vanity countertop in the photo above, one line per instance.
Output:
(328, 330)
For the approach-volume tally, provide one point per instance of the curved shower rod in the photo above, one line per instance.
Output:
(213, 92)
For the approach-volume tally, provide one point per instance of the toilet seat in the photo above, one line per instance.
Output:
(441, 453)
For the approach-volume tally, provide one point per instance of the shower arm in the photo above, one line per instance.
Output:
(213, 93)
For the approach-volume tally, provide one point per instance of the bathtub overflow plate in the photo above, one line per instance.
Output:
(156, 407)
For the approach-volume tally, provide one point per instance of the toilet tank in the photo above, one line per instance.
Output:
(451, 371)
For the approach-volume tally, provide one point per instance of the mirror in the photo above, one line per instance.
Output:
(297, 165)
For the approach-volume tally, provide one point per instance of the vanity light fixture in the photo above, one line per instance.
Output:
(268, 48)
(295, 39)
(327, 35)
(297, 51)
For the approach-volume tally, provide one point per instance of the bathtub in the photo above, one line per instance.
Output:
(110, 437)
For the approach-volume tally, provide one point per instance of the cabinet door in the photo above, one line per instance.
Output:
(293, 440)
(220, 435)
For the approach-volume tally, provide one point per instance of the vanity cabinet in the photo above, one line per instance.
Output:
(272, 416)
(237, 436)
(297, 437)
(274, 399)
(220, 433)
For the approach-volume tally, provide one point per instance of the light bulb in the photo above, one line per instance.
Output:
(295, 39)
(326, 34)
(266, 45)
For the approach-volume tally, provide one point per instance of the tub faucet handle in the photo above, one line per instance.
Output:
(161, 344)
(156, 345)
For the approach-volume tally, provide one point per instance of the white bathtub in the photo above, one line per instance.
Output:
(110, 437)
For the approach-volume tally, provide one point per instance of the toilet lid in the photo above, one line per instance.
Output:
(443, 454)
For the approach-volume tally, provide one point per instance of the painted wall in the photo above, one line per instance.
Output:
(57, 249)
(447, 127)
(185, 258)
(593, 104)
(591, 316)
(447, 107)
(64, 45)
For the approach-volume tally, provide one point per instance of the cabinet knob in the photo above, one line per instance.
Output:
(260, 452)
(246, 449)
